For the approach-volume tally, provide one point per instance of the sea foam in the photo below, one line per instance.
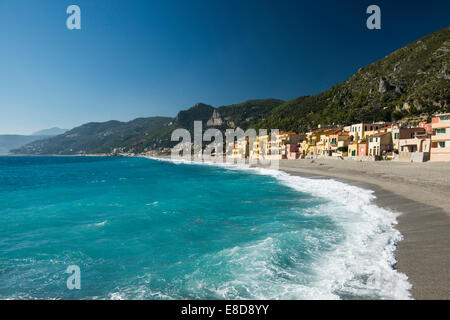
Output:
(361, 266)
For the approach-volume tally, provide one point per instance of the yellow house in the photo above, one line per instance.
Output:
(260, 148)
(310, 145)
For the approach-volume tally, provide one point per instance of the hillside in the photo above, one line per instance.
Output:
(241, 115)
(148, 133)
(410, 84)
(99, 137)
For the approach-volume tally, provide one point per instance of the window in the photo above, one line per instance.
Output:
(441, 144)
(396, 136)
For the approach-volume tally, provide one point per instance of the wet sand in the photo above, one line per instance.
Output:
(421, 193)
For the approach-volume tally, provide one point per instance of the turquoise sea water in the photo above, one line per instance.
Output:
(146, 229)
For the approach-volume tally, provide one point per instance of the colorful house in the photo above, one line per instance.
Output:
(380, 143)
(416, 149)
(440, 149)
(323, 146)
(309, 145)
(399, 133)
(420, 143)
(260, 148)
(293, 151)
(357, 148)
(281, 142)
(362, 130)
(241, 149)
(339, 139)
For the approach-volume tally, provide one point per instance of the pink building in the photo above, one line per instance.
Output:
(293, 151)
(362, 149)
(440, 149)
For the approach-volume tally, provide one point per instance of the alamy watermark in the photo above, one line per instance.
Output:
(374, 20)
(74, 280)
(73, 22)
(240, 146)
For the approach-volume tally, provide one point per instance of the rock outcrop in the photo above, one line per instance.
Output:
(215, 120)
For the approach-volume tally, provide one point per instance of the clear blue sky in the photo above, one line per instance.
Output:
(144, 58)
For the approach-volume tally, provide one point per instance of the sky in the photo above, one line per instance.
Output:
(147, 58)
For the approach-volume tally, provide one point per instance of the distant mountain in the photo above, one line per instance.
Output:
(9, 141)
(408, 85)
(50, 132)
(100, 137)
(148, 133)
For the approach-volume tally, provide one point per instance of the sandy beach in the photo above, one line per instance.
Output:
(421, 193)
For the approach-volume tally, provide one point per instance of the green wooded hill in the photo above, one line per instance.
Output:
(96, 137)
(408, 85)
(411, 83)
(148, 133)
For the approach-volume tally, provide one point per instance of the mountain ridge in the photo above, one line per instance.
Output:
(50, 132)
(410, 84)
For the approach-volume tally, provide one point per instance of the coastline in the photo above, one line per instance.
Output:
(419, 193)
(424, 253)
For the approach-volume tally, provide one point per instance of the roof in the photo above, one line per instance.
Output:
(344, 133)
(286, 133)
(380, 134)
(333, 131)
(384, 128)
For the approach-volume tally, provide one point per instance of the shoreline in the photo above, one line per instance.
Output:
(424, 253)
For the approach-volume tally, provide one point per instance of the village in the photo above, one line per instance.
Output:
(360, 141)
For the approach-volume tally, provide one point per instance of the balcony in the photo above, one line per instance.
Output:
(440, 137)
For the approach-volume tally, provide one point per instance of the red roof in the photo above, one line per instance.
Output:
(380, 134)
